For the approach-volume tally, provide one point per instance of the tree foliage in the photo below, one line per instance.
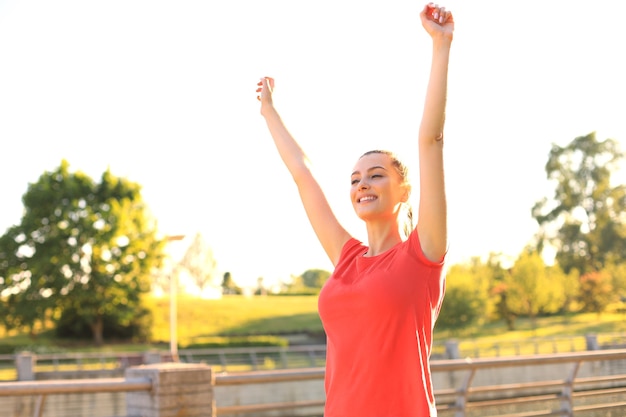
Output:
(310, 282)
(585, 220)
(463, 303)
(534, 289)
(468, 298)
(314, 278)
(228, 285)
(617, 274)
(596, 291)
(82, 253)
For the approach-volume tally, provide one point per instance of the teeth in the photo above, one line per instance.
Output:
(368, 198)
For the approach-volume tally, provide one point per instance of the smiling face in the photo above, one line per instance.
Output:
(377, 187)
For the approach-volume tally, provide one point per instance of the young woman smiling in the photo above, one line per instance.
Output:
(380, 305)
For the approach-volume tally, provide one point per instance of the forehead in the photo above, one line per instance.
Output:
(372, 160)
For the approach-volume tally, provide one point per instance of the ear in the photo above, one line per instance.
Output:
(407, 193)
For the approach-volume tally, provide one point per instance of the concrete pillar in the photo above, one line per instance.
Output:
(25, 365)
(179, 390)
(452, 349)
(592, 342)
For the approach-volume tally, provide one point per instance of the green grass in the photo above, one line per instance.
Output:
(544, 327)
(545, 335)
(236, 316)
(282, 315)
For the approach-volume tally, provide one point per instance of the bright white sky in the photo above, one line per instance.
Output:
(163, 92)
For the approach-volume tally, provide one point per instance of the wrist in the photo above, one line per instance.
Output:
(443, 43)
(267, 109)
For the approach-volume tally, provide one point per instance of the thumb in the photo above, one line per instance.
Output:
(268, 82)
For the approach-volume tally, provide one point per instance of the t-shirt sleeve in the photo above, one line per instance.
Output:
(416, 247)
(350, 249)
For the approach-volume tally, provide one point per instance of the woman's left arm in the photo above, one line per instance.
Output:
(432, 215)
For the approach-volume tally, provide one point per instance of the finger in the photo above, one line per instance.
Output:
(428, 10)
(434, 13)
(269, 81)
(442, 15)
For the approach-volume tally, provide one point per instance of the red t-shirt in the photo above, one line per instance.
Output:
(378, 313)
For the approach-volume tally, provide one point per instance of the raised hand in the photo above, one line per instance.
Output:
(437, 21)
(265, 88)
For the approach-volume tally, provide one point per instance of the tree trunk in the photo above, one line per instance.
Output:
(97, 328)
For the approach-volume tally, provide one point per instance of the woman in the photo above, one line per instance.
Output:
(380, 305)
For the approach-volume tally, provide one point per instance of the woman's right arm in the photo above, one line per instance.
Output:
(329, 231)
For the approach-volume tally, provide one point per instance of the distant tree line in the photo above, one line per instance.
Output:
(85, 252)
(584, 223)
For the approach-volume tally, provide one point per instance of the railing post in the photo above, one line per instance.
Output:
(567, 402)
(179, 389)
(462, 393)
(592, 342)
(452, 349)
(25, 365)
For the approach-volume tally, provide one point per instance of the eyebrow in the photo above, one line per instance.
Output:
(370, 169)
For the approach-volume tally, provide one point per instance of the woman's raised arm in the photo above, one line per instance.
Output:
(329, 231)
(432, 215)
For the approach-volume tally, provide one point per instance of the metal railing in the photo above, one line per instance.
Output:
(269, 358)
(565, 394)
(257, 358)
(569, 390)
(41, 389)
(264, 377)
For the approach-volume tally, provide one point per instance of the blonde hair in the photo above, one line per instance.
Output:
(403, 171)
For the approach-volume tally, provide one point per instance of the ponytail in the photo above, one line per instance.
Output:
(407, 225)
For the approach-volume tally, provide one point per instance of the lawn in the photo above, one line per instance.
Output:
(288, 315)
(236, 316)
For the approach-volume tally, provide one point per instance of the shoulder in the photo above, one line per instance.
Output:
(415, 248)
(353, 247)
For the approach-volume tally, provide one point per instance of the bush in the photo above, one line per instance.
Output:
(72, 326)
(237, 341)
(8, 349)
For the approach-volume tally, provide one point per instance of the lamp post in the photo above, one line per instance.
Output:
(173, 306)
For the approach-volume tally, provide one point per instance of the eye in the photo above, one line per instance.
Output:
(354, 181)
(376, 176)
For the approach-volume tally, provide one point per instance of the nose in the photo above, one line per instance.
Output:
(363, 184)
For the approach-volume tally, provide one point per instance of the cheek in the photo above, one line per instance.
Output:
(352, 193)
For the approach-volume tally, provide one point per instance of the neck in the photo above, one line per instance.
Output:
(381, 237)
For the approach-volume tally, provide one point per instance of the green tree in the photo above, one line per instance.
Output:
(571, 287)
(489, 275)
(584, 220)
(498, 308)
(596, 291)
(463, 304)
(228, 284)
(82, 253)
(295, 285)
(617, 272)
(467, 300)
(532, 289)
(314, 278)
